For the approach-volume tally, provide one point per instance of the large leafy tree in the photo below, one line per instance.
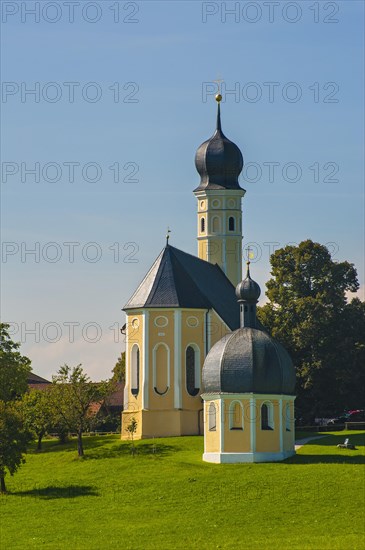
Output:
(309, 314)
(14, 371)
(75, 399)
(39, 416)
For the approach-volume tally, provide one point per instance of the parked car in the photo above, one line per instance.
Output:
(357, 415)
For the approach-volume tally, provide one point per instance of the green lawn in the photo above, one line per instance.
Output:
(166, 497)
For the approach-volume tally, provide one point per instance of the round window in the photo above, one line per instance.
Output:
(192, 321)
(161, 321)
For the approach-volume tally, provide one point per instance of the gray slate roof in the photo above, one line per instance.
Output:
(180, 280)
(219, 161)
(248, 360)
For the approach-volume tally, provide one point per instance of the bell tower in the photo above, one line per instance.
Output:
(219, 163)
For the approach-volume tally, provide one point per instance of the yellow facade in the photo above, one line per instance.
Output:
(220, 230)
(163, 405)
(239, 435)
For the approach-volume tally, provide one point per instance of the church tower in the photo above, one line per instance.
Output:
(219, 163)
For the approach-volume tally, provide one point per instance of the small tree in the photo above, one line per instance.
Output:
(131, 429)
(38, 413)
(119, 369)
(74, 398)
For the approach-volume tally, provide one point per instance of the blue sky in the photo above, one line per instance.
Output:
(163, 64)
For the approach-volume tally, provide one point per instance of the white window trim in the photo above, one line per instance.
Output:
(270, 415)
(219, 230)
(134, 372)
(231, 417)
(154, 373)
(197, 368)
(210, 427)
(287, 417)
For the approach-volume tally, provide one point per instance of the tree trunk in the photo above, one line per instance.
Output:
(80, 447)
(39, 444)
(2, 485)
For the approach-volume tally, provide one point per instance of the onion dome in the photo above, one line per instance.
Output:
(248, 361)
(248, 290)
(218, 160)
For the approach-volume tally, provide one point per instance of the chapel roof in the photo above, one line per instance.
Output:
(180, 280)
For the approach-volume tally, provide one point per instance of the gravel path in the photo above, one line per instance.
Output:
(300, 442)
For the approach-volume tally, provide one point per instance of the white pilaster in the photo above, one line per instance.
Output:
(253, 422)
(221, 427)
(145, 371)
(281, 424)
(127, 365)
(177, 359)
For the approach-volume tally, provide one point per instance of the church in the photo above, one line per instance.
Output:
(197, 359)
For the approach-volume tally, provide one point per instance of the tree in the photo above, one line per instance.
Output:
(14, 371)
(75, 398)
(119, 369)
(131, 429)
(14, 367)
(14, 439)
(308, 313)
(38, 413)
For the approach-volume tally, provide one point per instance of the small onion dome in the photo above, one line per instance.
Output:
(248, 361)
(218, 161)
(248, 290)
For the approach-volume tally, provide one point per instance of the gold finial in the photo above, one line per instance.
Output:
(248, 250)
(218, 96)
(168, 236)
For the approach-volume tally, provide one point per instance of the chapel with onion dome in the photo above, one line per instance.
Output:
(187, 312)
(248, 391)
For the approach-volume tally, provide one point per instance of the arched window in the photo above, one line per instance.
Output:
(235, 416)
(231, 223)
(216, 225)
(212, 418)
(135, 370)
(202, 225)
(161, 368)
(287, 417)
(267, 417)
(192, 367)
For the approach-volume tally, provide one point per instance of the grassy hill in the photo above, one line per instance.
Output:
(165, 498)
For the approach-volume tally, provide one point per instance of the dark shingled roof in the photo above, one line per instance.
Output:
(178, 279)
(248, 360)
(35, 379)
(218, 161)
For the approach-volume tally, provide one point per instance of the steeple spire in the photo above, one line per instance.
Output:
(248, 293)
(168, 236)
(218, 99)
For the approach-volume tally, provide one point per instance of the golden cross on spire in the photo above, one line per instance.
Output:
(219, 81)
(168, 236)
(248, 250)
(218, 96)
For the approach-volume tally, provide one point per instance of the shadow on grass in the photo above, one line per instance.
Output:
(330, 440)
(336, 456)
(53, 445)
(140, 449)
(326, 459)
(53, 492)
